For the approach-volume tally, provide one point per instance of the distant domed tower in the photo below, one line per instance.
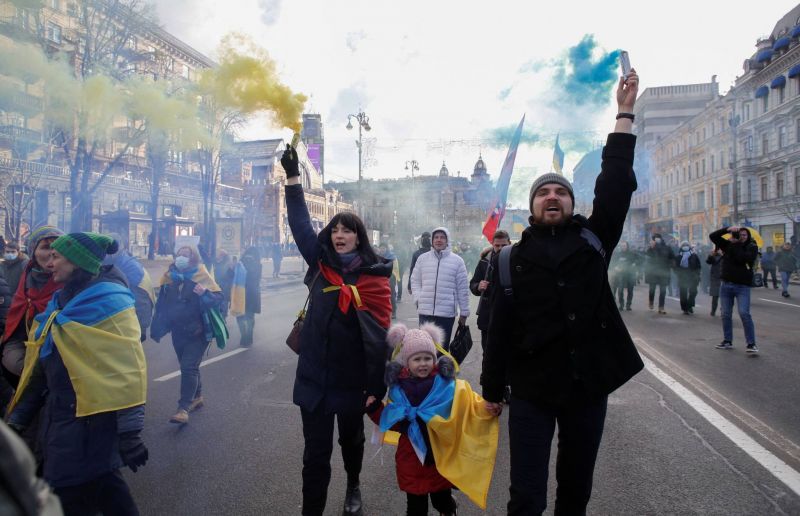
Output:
(479, 174)
(443, 172)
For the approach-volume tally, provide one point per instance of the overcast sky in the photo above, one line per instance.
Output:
(445, 80)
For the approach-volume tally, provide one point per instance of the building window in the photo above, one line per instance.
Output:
(779, 185)
(712, 201)
(725, 194)
(687, 203)
(749, 145)
(764, 188)
(712, 163)
(764, 144)
(765, 103)
(747, 112)
(703, 167)
(700, 200)
(749, 190)
(54, 32)
(781, 95)
(658, 210)
(669, 208)
(697, 170)
(781, 136)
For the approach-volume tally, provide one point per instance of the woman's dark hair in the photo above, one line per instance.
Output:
(253, 253)
(77, 282)
(352, 222)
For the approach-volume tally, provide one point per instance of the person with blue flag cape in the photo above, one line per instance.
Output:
(188, 300)
(139, 282)
(85, 364)
(447, 438)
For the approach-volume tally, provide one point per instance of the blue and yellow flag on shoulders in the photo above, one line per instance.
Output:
(238, 290)
(97, 336)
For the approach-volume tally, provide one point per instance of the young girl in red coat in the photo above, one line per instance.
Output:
(419, 387)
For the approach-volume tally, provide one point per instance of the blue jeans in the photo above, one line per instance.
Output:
(445, 323)
(727, 293)
(785, 281)
(531, 427)
(190, 351)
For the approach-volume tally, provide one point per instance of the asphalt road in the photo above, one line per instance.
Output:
(242, 452)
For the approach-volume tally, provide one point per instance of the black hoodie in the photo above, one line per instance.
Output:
(739, 257)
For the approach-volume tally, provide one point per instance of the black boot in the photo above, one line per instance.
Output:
(352, 500)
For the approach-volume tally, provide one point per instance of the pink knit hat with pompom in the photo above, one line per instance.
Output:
(414, 341)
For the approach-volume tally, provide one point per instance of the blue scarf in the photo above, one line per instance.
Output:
(685, 258)
(178, 277)
(438, 402)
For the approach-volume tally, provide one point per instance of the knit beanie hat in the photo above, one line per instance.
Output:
(548, 179)
(413, 342)
(41, 233)
(86, 250)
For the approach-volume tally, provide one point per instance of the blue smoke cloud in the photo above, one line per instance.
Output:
(501, 136)
(586, 79)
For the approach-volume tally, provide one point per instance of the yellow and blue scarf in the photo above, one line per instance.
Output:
(97, 336)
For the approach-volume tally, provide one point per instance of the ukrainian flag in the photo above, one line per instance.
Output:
(237, 290)
(97, 335)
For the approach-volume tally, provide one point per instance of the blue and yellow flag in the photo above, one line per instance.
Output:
(238, 290)
(463, 442)
(558, 158)
(97, 336)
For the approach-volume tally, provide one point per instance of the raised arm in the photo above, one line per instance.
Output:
(299, 218)
(617, 182)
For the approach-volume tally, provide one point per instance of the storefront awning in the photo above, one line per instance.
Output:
(778, 82)
(762, 92)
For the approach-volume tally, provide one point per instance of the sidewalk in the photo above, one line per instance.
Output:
(293, 268)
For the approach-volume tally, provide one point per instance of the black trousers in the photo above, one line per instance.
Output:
(688, 293)
(767, 272)
(442, 501)
(318, 436)
(662, 292)
(714, 303)
(531, 427)
(107, 495)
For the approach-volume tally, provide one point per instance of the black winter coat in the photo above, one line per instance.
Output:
(715, 261)
(12, 271)
(179, 310)
(483, 271)
(342, 356)
(559, 337)
(5, 303)
(252, 285)
(687, 276)
(738, 259)
(659, 261)
(76, 449)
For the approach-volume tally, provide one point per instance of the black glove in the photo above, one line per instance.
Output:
(290, 162)
(132, 450)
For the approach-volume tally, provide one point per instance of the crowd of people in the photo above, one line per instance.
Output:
(554, 343)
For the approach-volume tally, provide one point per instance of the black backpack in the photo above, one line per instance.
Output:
(504, 260)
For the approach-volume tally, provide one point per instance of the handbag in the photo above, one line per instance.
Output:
(461, 343)
(219, 330)
(293, 340)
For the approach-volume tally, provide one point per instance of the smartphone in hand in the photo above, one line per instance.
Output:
(625, 64)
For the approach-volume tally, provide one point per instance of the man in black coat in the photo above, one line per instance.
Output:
(424, 247)
(558, 337)
(738, 260)
(481, 285)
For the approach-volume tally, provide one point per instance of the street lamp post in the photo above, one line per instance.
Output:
(733, 121)
(363, 121)
(413, 165)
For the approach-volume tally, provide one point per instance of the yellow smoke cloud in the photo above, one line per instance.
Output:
(246, 80)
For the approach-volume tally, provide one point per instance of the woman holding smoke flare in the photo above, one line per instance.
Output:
(342, 345)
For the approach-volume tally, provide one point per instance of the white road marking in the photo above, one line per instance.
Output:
(778, 302)
(773, 464)
(202, 364)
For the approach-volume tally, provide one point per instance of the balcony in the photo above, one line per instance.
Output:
(17, 133)
(26, 104)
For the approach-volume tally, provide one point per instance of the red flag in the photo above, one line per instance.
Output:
(497, 209)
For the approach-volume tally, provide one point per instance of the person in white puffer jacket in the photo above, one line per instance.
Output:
(439, 285)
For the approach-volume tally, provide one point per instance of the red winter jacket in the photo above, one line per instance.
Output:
(413, 476)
